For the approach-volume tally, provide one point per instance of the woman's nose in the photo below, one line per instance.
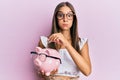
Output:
(65, 18)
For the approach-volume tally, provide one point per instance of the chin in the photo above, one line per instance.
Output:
(65, 29)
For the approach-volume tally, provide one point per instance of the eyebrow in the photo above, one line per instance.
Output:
(67, 12)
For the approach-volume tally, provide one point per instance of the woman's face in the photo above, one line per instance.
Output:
(65, 18)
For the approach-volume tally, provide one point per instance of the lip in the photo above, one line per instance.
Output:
(65, 24)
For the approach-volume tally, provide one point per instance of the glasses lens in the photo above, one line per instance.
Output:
(60, 16)
(42, 57)
(69, 16)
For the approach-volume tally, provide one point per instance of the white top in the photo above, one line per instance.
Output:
(68, 67)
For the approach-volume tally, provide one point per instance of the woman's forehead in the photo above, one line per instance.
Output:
(65, 9)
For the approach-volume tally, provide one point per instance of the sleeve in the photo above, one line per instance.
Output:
(82, 42)
(44, 40)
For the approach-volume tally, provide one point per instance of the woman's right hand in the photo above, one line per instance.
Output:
(59, 39)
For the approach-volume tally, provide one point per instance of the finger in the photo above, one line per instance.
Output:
(53, 72)
(56, 39)
(59, 41)
(50, 39)
(42, 72)
(56, 70)
(53, 38)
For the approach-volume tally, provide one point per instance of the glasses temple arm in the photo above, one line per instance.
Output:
(33, 52)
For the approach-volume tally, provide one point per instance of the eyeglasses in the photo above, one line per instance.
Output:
(69, 15)
(44, 56)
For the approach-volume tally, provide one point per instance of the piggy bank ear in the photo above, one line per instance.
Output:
(47, 51)
(38, 49)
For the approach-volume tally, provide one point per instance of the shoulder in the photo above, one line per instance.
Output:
(82, 42)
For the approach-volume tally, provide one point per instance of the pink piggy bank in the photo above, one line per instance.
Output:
(46, 60)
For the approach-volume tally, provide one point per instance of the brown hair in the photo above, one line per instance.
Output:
(73, 30)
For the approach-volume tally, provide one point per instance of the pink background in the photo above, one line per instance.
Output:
(23, 21)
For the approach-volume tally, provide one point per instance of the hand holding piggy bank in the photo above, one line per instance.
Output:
(46, 60)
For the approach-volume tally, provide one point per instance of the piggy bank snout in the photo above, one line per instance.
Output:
(42, 57)
(46, 59)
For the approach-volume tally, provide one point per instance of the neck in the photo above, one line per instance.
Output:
(66, 34)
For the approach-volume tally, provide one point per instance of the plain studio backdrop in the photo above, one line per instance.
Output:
(22, 22)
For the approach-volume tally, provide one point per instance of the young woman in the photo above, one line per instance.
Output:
(64, 37)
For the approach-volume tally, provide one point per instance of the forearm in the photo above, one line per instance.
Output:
(79, 60)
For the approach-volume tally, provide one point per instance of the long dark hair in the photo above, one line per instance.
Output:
(73, 30)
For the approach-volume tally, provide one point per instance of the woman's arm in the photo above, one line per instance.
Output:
(82, 60)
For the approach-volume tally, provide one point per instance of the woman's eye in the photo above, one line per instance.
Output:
(60, 15)
(69, 15)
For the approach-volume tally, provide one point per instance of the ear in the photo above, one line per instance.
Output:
(38, 49)
(47, 51)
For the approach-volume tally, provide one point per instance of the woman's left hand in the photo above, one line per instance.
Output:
(58, 38)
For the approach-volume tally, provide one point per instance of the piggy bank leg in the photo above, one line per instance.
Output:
(47, 74)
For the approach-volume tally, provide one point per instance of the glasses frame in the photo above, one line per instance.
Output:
(47, 56)
(71, 13)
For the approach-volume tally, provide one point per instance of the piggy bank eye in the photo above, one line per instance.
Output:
(42, 57)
